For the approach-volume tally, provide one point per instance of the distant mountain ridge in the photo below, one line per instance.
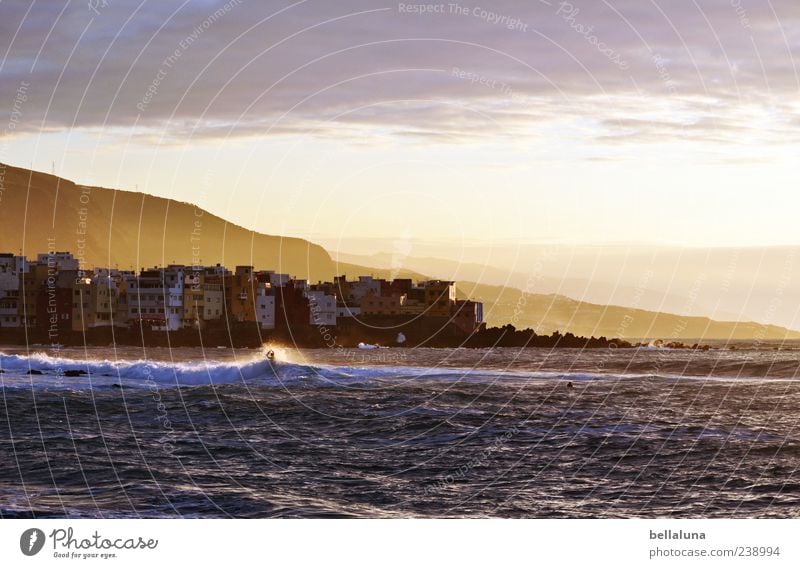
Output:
(546, 313)
(129, 230)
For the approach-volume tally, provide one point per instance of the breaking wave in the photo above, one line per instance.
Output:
(41, 370)
(46, 370)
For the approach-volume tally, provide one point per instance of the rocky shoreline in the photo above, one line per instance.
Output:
(240, 336)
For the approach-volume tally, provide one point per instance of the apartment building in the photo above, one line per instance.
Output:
(11, 269)
(52, 293)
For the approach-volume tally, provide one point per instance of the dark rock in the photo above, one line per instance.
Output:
(73, 373)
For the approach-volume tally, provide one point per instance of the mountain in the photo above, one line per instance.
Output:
(592, 289)
(108, 227)
(735, 283)
(550, 312)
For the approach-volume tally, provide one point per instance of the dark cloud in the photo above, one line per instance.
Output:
(287, 67)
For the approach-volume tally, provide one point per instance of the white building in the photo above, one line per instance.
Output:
(213, 301)
(278, 280)
(121, 312)
(95, 303)
(155, 297)
(322, 306)
(364, 286)
(174, 282)
(59, 261)
(216, 270)
(145, 298)
(265, 307)
(11, 267)
(343, 311)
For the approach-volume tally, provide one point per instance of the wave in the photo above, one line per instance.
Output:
(46, 371)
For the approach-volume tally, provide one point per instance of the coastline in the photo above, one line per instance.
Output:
(240, 336)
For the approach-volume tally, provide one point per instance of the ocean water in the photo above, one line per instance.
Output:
(400, 433)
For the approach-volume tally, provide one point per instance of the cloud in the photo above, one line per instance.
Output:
(216, 69)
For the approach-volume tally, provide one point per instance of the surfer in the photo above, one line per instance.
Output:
(270, 355)
(570, 385)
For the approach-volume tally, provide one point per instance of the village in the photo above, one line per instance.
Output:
(54, 300)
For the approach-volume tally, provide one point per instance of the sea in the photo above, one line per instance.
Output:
(403, 432)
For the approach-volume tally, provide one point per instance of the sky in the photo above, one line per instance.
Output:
(628, 121)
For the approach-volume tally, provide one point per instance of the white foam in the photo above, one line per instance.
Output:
(135, 373)
(257, 370)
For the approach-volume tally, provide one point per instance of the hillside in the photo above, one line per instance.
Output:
(554, 312)
(603, 287)
(550, 312)
(109, 227)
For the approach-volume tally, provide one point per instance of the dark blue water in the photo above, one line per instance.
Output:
(401, 433)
